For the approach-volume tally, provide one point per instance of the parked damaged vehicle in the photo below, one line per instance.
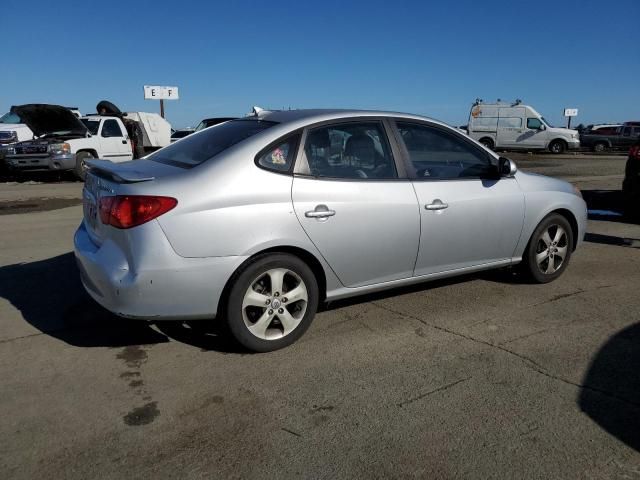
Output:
(63, 142)
(259, 220)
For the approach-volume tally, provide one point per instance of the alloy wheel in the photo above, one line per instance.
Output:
(551, 249)
(274, 304)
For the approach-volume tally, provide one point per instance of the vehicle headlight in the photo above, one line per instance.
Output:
(575, 135)
(59, 148)
(10, 150)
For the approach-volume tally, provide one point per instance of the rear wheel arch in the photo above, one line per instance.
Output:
(307, 257)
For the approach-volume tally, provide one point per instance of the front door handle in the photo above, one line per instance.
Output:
(437, 204)
(321, 212)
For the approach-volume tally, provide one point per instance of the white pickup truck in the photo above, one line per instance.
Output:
(64, 142)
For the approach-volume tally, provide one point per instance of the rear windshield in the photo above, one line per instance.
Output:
(92, 125)
(202, 146)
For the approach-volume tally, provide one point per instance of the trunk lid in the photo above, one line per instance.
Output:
(106, 178)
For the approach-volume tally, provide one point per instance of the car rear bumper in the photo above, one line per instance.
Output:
(172, 288)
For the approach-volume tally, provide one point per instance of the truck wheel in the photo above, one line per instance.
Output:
(557, 147)
(81, 169)
(600, 147)
(487, 142)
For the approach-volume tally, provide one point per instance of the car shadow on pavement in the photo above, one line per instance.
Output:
(50, 296)
(509, 275)
(611, 393)
(612, 240)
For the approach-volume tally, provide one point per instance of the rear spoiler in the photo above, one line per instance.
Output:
(106, 168)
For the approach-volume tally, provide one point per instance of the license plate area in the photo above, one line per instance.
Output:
(90, 210)
(90, 201)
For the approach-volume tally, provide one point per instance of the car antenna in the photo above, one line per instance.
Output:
(257, 112)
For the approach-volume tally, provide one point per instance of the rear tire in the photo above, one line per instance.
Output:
(272, 302)
(487, 142)
(549, 250)
(557, 147)
(80, 169)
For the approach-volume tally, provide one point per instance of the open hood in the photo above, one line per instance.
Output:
(44, 119)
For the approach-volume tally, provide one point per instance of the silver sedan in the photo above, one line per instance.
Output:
(258, 220)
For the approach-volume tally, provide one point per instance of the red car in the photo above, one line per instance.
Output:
(631, 183)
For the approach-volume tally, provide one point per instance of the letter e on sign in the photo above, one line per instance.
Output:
(155, 92)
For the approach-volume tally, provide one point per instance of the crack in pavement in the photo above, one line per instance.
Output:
(431, 392)
(8, 340)
(555, 298)
(462, 335)
(570, 294)
(528, 362)
(537, 332)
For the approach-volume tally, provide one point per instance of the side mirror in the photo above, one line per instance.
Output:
(542, 127)
(507, 167)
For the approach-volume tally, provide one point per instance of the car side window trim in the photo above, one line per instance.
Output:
(296, 136)
(406, 157)
(301, 167)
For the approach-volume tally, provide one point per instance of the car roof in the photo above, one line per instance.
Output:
(309, 116)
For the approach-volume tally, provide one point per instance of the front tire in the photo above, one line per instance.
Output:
(272, 302)
(549, 249)
(80, 169)
(557, 147)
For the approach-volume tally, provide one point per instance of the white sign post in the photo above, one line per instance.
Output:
(152, 92)
(570, 112)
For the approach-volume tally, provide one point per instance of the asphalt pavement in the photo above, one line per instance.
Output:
(476, 377)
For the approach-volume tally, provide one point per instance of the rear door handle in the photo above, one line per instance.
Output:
(321, 212)
(437, 204)
(124, 142)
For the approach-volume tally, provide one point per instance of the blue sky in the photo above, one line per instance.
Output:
(431, 58)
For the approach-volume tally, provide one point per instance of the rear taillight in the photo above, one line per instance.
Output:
(126, 211)
(634, 152)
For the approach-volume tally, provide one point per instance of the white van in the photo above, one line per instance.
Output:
(514, 126)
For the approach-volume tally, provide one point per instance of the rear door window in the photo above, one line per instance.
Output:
(354, 150)
(206, 144)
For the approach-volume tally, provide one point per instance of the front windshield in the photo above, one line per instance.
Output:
(547, 122)
(201, 126)
(10, 117)
(202, 146)
(92, 125)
